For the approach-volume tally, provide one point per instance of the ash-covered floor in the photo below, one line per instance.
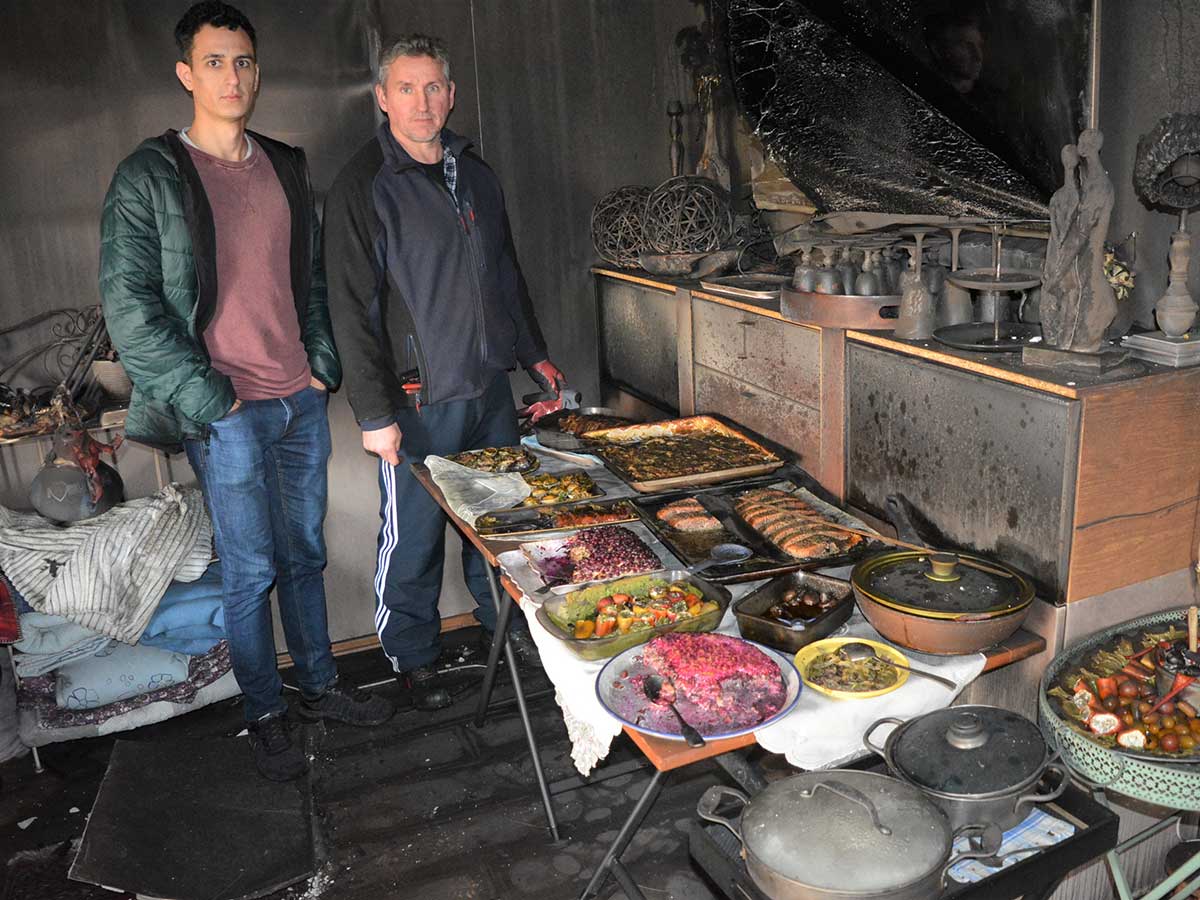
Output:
(426, 806)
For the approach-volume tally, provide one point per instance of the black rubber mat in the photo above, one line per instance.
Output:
(193, 820)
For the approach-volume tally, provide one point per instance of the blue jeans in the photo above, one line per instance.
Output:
(263, 474)
(412, 539)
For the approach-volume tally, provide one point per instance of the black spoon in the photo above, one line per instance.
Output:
(652, 685)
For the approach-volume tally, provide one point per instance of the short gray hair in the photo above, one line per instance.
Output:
(412, 45)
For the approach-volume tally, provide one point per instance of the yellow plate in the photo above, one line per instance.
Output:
(807, 654)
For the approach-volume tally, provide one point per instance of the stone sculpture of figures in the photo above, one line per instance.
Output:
(915, 320)
(1078, 303)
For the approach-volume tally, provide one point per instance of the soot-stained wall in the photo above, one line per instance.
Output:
(566, 100)
(1148, 68)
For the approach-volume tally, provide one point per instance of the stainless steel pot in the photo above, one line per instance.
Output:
(841, 835)
(979, 764)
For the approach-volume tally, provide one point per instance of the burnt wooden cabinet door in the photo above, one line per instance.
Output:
(761, 372)
(792, 424)
(990, 465)
(783, 358)
(639, 338)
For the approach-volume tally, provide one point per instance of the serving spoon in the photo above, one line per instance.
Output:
(652, 685)
(722, 553)
(856, 651)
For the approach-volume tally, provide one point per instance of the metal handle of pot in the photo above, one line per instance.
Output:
(987, 853)
(711, 799)
(882, 751)
(854, 795)
(1064, 777)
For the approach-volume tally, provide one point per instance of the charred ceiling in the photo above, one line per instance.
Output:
(914, 106)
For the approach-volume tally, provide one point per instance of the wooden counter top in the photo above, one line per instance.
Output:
(1001, 366)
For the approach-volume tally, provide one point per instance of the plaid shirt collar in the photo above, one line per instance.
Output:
(450, 171)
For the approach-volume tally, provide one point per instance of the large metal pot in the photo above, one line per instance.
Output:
(979, 764)
(840, 835)
(941, 603)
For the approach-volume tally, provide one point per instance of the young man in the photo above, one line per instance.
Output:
(424, 286)
(214, 295)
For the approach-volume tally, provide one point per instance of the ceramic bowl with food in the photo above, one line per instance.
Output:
(827, 671)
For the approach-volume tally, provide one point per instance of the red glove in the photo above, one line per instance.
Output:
(548, 376)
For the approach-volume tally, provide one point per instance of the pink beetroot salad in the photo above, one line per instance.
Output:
(721, 683)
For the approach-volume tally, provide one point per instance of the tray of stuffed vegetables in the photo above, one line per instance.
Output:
(602, 620)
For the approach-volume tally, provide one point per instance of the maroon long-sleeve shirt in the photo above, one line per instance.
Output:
(254, 336)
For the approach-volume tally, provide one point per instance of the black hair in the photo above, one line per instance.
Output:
(216, 14)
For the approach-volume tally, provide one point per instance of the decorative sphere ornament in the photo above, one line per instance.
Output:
(688, 214)
(617, 225)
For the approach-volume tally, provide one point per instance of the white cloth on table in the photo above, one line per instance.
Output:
(819, 732)
(108, 573)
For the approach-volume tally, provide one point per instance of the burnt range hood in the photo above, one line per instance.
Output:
(922, 107)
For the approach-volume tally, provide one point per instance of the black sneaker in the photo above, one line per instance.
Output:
(424, 688)
(277, 756)
(349, 704)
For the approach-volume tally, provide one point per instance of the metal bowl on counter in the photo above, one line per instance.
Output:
(840, 835)
(980, 764)
(961, 604)
(812, 622)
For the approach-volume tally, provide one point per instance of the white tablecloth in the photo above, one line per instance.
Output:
(819, 732)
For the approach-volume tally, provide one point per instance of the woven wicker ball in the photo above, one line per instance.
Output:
(688, 214)
(617, 225)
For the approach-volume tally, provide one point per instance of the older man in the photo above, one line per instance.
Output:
(213, 292)
(430, 312)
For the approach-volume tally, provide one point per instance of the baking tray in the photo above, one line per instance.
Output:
(530, 522)
(538, 552)
(695, 547)
(634, 433)
(840, 310)
(747, 287)
(550, 435)
(599, 491)
(755, 627)
(768, 560)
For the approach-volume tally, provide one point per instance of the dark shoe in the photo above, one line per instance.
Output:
(425, 689)
(345, 703)
(523, 646)
(276, 754)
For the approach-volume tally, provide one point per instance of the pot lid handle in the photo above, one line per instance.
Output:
(854, 796)
(966, 732)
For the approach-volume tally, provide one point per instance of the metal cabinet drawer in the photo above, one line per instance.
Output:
(779, 356)
(794, 425)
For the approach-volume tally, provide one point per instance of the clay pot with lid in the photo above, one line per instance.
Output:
(941, 603)
(979, 764)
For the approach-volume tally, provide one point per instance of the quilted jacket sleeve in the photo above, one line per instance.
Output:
(164, 362)
(317, 329)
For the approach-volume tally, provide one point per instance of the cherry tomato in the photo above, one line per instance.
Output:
(1128, 689)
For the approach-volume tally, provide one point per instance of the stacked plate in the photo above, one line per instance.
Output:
(1158, 348)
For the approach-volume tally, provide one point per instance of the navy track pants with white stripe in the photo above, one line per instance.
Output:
(411, 549)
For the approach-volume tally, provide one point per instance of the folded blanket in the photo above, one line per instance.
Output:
(37, 700)
(48, 642)
(190, 617)
(115, 673)
(108, 573)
